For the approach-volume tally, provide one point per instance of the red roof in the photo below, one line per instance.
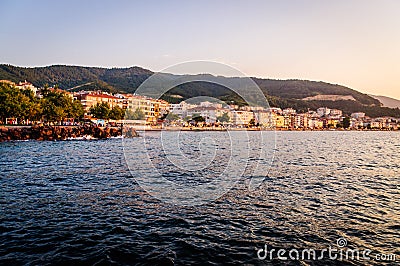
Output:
(101, 96)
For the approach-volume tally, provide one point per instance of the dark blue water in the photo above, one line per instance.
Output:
(76, 202)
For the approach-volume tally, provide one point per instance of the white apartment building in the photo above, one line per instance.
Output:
(210, 104)
(336, 113)
(181, 108)
(26, 86)
(265, 119)
(323, 111)
(275, 110)
(358, 115)
(301, 121)
(210, 114)
(289, 111)
(241, 118)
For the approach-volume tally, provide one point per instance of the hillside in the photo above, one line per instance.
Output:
(282, 93)
(119, 79)
(387, 101)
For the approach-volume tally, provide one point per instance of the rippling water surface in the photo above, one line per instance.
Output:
(76, 202)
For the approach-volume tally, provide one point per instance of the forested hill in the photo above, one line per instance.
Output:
(66, 77)
(299, 94)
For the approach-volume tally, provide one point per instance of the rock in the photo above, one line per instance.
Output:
(129, 132)
(62, 132)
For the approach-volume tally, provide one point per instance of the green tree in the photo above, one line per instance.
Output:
(100, 110)
(135, 115)
(346, 122)
(57, 106)
(22, 104)
(18, 103)
(172, 117)
(76, 110)
(52, 112)
(223, 118)
(198, 118)
(252, 122)
(117, 113)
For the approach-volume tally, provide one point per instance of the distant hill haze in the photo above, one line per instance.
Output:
(301, 95)
(387, 101)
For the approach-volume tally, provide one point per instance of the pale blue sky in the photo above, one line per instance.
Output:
(354, 43)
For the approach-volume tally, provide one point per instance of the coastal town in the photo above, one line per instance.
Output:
(146, 113)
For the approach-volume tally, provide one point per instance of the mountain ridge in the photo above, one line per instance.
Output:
(387, 101)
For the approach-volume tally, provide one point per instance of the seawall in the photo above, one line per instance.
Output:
(63, 132)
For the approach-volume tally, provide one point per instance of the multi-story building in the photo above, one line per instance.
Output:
(301, 121)
(323, 111)
(26, 86)
(89, 99)
(252, 108)
(289, 111)
(234, 106)
(331, 123)
(161, 107)
(356, 123)
(314, 123)
(289, 121)
(376, 124)
(313, 114)
(208, 113)
(358, 115)
(265, 119)
(335, 113)
(280, 121)
(241, 117)
(275, 110)
(181, 108)
(210, 104)
(153, 109)
(144, 104)
(123, 99)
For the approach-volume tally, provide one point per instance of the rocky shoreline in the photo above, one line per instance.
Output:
(63, 132)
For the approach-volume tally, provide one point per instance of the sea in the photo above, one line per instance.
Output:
(203, 198)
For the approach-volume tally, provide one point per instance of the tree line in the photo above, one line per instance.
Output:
(53, 106)
(104, 111)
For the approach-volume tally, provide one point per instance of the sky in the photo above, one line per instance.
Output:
(347, 42)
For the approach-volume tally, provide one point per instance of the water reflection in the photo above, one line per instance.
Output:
(76, 202)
